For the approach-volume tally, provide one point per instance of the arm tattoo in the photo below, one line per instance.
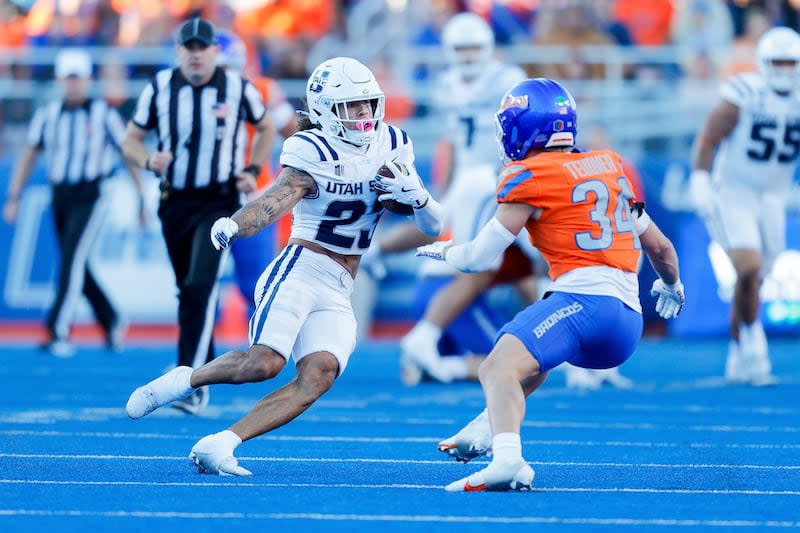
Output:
(290, 187)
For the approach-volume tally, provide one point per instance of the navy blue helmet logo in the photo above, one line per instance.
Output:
(318, 82)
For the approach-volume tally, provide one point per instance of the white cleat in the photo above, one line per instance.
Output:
(410, 373)
(474, 440)
(748, 362)
(428, 360)
(212, 456)
(60, 348)
(170, 387)
(758, 371)
(193, 404)
(496, 478)
(614, 378)
(582, 378)
(733, 364)
(422, 352)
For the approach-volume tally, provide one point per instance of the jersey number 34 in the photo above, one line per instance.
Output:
(622, 217)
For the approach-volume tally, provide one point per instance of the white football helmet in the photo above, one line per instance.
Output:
(779, 44)
(468, 44)
(331, 86)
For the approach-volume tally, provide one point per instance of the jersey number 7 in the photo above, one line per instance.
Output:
(622, 217)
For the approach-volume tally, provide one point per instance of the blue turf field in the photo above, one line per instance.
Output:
(681, 451)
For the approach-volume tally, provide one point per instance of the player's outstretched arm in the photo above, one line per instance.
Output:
(482, 252)
(277, 200)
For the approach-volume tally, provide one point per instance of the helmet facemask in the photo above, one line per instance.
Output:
(468, 43)
(778, 58)
(469, 60)
(357, 129)
(781, 75)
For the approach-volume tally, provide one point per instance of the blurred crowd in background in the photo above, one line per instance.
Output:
(644, 72)
(287, 38)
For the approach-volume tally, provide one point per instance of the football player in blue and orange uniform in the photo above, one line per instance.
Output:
(579, 211)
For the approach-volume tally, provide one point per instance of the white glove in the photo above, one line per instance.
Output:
(222, 232)
(437, 250)
(372, 263)
(701, 195)
(670, 298)
(406, 187)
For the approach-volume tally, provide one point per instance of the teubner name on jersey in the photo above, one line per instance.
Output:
(763, 148)
(342, 213)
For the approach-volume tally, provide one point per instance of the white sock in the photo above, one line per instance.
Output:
(757, 329)
(455, 366)
(425, 331)
(507, 447)
(753, 339)
(229, 439)
(185, 377)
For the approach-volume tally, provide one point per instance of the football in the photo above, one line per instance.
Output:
(393, 205)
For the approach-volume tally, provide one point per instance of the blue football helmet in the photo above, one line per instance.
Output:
(232, 51)
(535, 113)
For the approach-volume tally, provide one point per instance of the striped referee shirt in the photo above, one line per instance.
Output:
(78, 142)
(200, 126)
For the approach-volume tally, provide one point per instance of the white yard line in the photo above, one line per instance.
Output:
(407, 518)
(371, 460)
(389, 440)
(238, 483)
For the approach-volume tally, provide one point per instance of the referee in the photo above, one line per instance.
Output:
(197, 111)
(76, 134)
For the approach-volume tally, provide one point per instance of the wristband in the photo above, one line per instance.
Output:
(255, 170)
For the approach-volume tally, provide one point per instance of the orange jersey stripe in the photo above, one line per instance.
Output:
(583, 215)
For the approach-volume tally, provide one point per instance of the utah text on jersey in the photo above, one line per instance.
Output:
(342, 213)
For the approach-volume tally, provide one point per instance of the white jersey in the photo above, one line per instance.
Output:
(762, 150)
(470, 108)
(342, 213)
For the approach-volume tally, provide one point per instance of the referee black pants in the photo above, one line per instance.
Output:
(186, 220)
(78, 217)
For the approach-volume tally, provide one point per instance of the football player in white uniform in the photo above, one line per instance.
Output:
(329, 181)
(468, 94)
(755, 132)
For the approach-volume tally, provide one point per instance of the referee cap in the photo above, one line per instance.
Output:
(73, 62)
(197, 29)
